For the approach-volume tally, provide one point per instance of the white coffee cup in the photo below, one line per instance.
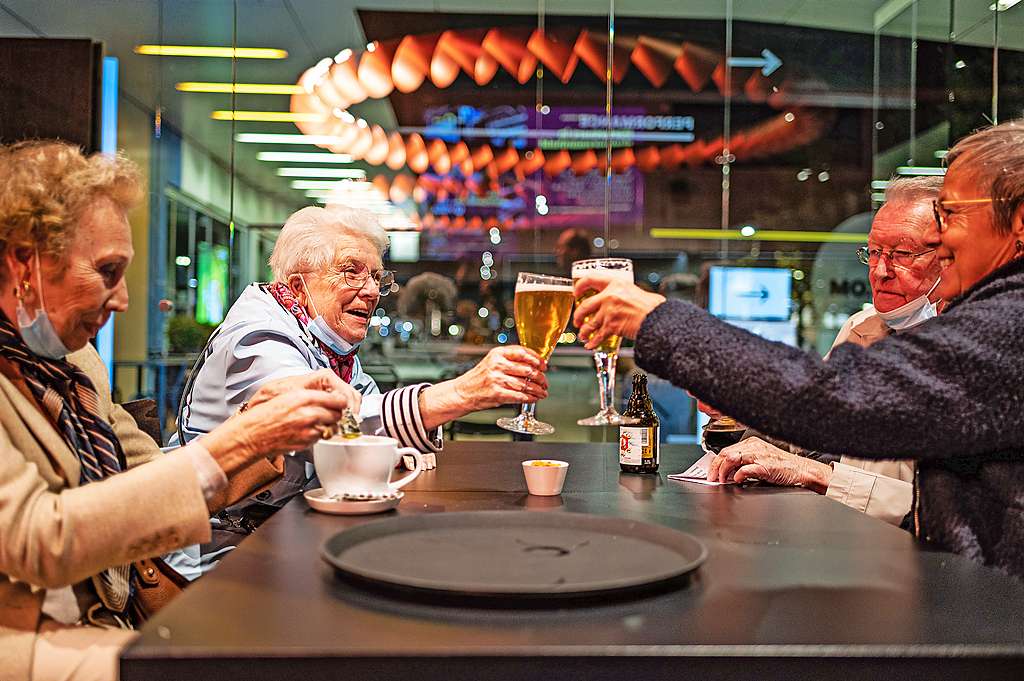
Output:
(362, 466)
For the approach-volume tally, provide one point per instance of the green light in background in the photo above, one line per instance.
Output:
(212, 288)
(760, 235)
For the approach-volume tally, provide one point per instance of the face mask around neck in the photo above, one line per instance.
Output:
(322, 331)
(911, 314)
(38, 332)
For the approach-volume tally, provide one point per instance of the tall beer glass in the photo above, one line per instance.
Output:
(543, 306)
(606, 355)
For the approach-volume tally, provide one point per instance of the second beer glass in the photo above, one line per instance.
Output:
(543, 306)
(605, 355)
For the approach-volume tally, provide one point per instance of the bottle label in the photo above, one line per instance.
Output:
(638, 445)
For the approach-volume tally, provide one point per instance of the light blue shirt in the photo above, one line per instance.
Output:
(260, 341)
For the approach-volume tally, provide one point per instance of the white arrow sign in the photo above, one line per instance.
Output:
(767, 61)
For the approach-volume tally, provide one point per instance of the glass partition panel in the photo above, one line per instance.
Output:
(733, 151)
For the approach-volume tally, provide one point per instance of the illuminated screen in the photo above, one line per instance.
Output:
(750, 293)
(212, 283)
(405, 246)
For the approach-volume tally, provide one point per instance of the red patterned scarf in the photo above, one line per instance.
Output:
(340, 364)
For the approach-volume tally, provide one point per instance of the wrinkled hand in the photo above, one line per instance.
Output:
(754, 458)
(324, 379)
(618, 309)
(287, 422)
(507, 374)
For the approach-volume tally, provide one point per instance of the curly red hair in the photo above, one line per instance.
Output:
(45, 186)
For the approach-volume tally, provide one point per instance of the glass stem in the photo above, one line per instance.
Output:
(605, 364)
(527, 411)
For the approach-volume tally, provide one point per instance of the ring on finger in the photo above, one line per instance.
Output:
(326, 432)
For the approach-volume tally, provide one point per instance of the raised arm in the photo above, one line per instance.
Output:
(926, 393)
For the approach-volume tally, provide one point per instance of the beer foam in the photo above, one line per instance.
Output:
(556, 288)
(625, 275)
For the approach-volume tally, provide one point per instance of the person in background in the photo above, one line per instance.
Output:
(904, 274)
(327, 279)
(948, 393)
(573, 244)
(83, 492)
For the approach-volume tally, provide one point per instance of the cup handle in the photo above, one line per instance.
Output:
(405, 480)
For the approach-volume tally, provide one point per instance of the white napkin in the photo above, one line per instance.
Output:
(698, 472)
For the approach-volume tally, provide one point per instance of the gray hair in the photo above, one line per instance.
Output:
(995, 158)
(913, 189)
(308, 242)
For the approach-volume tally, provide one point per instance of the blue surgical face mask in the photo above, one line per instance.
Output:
(911, 314)
(323, 331)
(38, 332)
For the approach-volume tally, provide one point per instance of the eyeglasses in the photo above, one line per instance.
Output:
(869, 256)
(356, 276)
(942, 214)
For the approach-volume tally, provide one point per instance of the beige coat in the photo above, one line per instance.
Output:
(881, 489)
(54, 533)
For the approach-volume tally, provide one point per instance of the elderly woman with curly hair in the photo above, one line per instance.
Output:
(949, 393)
(83, 492)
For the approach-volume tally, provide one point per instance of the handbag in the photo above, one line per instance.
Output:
(155, 584)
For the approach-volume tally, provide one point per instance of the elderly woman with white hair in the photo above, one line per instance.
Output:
(328, 277)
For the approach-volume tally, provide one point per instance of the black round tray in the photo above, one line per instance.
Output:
(512, 557)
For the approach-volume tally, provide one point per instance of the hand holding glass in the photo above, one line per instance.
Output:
(606, 355)
(543, 306)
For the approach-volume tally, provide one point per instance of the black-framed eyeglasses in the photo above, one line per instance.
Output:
(942, 213)
(896, 256)
(356, 277)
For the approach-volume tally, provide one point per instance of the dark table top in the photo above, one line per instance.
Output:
(796, 585)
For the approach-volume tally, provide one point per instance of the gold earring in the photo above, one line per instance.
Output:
(1020, 245)
(20, 291)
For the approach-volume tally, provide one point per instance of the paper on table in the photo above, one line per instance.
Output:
(698, 472)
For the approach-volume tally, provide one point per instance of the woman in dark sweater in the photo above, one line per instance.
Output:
(949, 393)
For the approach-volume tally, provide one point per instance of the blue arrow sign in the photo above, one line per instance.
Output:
(762, 294)
(768, 62)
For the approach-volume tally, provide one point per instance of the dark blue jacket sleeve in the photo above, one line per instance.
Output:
(950, 387)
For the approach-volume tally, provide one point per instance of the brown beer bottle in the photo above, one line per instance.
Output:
(639, 448)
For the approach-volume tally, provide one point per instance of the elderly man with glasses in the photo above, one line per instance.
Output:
(904, 274)
(328, 277)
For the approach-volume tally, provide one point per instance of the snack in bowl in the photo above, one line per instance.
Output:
(545, 477)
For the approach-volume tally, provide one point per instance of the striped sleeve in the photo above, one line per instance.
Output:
(400, 417)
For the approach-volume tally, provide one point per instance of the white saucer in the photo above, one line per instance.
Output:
(320, 501)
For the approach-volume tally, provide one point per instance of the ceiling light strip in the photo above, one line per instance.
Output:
(267, 116)
(302, 157)
(211, 51)
(339, 173)
(285, 138)
(914, 171)
(240, 88)
(319, 184)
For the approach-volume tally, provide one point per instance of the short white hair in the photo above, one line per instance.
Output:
(913, 189)
(308, 242)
